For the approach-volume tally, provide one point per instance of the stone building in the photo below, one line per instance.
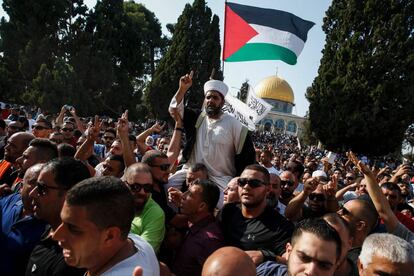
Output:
(277, 92)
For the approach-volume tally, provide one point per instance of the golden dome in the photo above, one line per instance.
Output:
(275, 88)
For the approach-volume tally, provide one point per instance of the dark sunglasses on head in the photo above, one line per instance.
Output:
(67, 129)
(37, 127)
(136, 187)
(163, 167)
(286, 182)
(254, 183)
(42, 188)
(316, 197)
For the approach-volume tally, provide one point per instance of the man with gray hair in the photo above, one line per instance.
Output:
(386, 254)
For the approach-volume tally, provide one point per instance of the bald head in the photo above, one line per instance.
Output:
(16, 145)
(229, 261)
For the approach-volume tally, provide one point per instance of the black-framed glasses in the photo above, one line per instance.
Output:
(286, 183)
(67, 129)
(39, 127)
(344, 212)
(42, 188)
(252, 182)
(317, 197)
(137, 187)
(163, 167)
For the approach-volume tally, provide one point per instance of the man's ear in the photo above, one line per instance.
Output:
(360, 267)
(111, 234)
(289, 249)
(203, 207)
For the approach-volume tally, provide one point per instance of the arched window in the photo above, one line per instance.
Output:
(280, 124)
(291, 127)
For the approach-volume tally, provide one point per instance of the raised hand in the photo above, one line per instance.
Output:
(122, 127)
(94, 129)
(174, 196)
(157, 127)
(186, 81)
(310, 185)
(361, 166)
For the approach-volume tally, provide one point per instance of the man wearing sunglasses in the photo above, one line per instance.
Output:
(20, 231)
(318, 202)
(149, 220)
(67, 130)
(55, 179)
(42, 128)
(252, 225)
(288, 186)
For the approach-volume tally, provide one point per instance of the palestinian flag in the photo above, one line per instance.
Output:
(252, 33)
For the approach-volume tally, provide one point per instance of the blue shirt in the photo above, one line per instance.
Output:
(18, 236)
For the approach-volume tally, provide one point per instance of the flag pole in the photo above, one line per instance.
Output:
(224, 35)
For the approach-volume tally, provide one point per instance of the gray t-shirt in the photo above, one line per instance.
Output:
(404, 233)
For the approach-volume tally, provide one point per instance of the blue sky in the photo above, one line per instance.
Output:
(299, 76)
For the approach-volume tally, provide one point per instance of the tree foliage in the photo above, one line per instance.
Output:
(59, 52)
(362, 97)
(195, 46)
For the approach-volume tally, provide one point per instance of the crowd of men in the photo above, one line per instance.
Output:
(105, 197)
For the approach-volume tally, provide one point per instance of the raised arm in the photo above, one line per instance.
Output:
(175, 143)
(377, 197)
(86, 149)
(293, 210)
(79, 124)
(142, 147)
(122, 130)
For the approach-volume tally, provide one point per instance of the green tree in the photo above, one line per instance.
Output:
(363, 94)
(244, 91)
(195, 46)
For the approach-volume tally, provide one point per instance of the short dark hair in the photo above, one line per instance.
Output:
(108, 200)
(118, 158)
(150, 155)
(391, 186)
(46, 149)
(263, 170)
(66, 150)
(46, 122)
(198, 167)
(111, 130)
(297, 167)
(67, 171)
(320, 228)
(210, 194)
(267, 152)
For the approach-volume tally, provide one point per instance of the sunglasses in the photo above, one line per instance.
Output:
(42, 188)
(136, 187)
(40, 127)
(349, 178)
(316, 197)
(252, 182)
(67, 129)
(286, 182)
(163, 167)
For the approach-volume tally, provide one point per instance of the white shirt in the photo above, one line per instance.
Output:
(272, 170)
(216, 145)
(144, 257)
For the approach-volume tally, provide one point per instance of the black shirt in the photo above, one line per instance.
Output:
(269, 232)
(47, 259)
(161, 199)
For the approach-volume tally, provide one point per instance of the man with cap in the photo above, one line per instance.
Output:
(214, 138)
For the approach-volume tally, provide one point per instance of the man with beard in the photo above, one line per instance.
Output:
(274, 194)
(252, 225)
(149, 218)
(288, 186)
(14, 148)
(214, 138)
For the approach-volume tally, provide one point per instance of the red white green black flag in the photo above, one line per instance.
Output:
(253, 33)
